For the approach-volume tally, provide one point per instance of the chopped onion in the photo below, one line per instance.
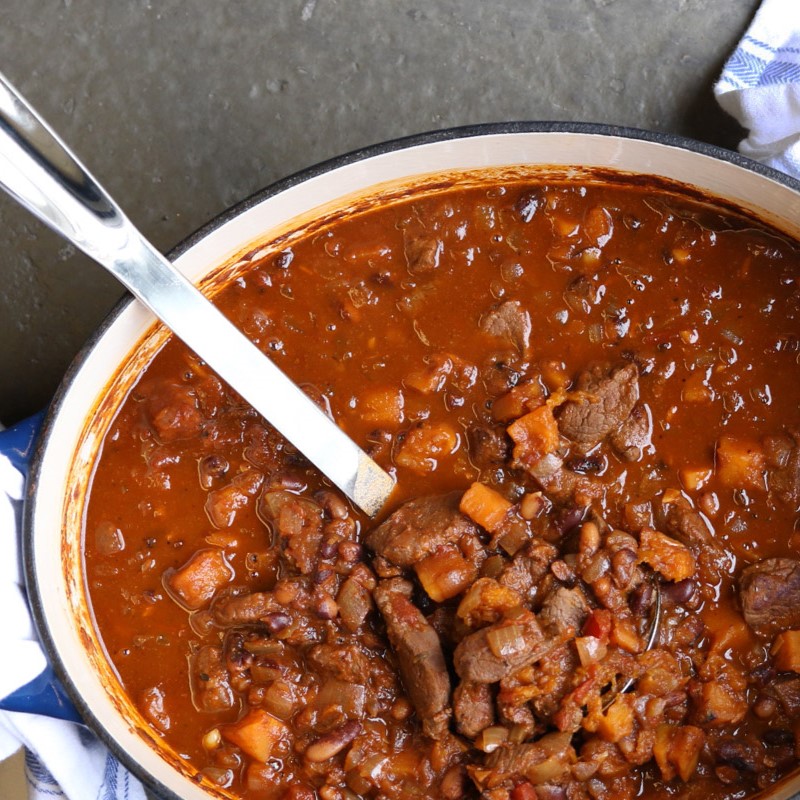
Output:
(731, 336)
(506, 640)
(491, 738)
(590, 649)
(348, 696)
(279, 700)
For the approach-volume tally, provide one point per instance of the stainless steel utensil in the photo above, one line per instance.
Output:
(43, 175)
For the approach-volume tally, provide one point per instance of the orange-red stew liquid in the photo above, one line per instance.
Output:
(588, 584)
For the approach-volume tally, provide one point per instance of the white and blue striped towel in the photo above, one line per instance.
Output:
(760, 86)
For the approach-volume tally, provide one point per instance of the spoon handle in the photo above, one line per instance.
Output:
(43, 175)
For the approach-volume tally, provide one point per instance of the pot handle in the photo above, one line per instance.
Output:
(43, 695)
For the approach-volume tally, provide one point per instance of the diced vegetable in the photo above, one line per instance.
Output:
(489, 739)
(506, 640)
(256, 733)
(740, 463)
(534, 435)
(598, 624)
(383, 406)
(617, 721)
(485, 506)
(625, 635)
(786, 651)
(518, 401)
(223, 504)
(666, 555)
(445, 574)
(199, 579)
(696, 389)
(486, 601)
(677, 750)
(695, 478)
(279, 699)
(590, 650)
(355, 602)
(717, 703)
(425, 445)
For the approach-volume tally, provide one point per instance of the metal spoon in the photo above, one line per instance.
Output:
(42, 174)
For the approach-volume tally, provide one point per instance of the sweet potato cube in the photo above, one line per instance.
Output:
(445, 574)
(486, 601)
(517, 401)
(425, 445)
(716, 703)
(695, 478)
(200, 578)
(617, 721)
(677, 750)
(740, 463)
(787, 651)
(666, 555)
(625, 635)
(534, 435)
(256, 733)
(383, 407)
(485, 506)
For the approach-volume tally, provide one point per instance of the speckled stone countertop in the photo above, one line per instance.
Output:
(181, 109)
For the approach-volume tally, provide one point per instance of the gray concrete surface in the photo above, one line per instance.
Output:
(182, 108)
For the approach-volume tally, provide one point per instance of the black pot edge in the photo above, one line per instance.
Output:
(468, 131)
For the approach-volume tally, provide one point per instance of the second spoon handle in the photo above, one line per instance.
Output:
(42, 174)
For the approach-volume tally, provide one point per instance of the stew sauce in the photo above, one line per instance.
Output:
(588, 585)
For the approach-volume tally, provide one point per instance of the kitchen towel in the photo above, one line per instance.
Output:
(760, 86)
(62, 759)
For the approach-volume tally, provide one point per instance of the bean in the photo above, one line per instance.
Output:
(681, 592)
(277, 621)
(330, 744)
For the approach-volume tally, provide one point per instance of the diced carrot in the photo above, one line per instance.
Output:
(617, 721)
(534, 435)
(445, 574)
(198, 580)
(555, 376)
(518, 401)
(257, 733)
(786, 651)
(666, 555)
(740, 463)
(484, 505)
(425, 445)
(383, 406)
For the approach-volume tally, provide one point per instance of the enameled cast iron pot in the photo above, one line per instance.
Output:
(97, 382)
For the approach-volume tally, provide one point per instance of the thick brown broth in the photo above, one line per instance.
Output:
(415, 325)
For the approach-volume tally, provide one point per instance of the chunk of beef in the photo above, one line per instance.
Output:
(634, 435)
(544, 761)
(787, 690)
(419, 527)
(298, 521)
(601, 402)
(488, 446)
(422, 251)
(743, 753)
(472, 708)
(555, 677)
(564, 611)
(243, 609)
(769, 592)
(173, 413)
(487, 657)
(783, 457)
(526, 569)
(345, 662)
(419, 655)
(509, 321)
(209, 680)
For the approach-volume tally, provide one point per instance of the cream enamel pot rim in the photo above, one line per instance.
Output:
(97, 381)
